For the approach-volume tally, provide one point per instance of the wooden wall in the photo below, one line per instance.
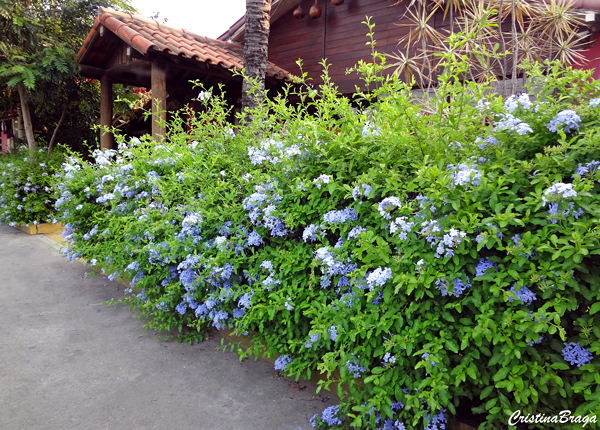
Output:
(338, 36)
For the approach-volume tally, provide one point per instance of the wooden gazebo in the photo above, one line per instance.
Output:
(129, 50)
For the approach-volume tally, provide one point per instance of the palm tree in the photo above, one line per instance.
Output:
(256, 43)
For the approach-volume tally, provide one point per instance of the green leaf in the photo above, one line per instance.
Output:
(502, 373)
(486, 392)
(595, 308)
(452, 345)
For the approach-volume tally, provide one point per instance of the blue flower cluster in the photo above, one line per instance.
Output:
(354, 367)
(566, 120)
(401, 224)
(483, 265)
(514, 101)
(510, 123)
(559, 192)
(460, 286)
(282, 362)
(363, 190)
(378, 277)
(589, 169)
(387, 205)
(341, 216)
(464, 174)
(523, 293)
(576, 355)
(329, 416)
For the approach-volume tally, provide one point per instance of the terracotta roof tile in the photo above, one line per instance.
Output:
(146, 35)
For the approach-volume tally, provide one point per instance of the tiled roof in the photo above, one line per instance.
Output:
(146, 35)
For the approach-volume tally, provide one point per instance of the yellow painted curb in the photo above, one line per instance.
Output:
(42, 228)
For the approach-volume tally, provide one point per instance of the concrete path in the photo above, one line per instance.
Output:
(69, 362)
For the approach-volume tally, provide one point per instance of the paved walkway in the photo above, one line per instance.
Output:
(69, 362)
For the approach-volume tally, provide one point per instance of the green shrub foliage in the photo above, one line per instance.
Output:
(424, 255)
(26, 186)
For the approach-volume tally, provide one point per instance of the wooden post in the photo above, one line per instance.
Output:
(159, 101)
(106, 112)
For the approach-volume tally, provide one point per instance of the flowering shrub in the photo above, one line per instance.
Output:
(26, 193)
(423, 262)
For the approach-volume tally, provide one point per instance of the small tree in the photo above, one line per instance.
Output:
(38, 43)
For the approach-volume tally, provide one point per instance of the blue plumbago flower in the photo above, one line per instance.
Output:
(333, 333)
(356, 231)
(311, 232)
(378, 277)
(220, 243)
(594, 103)
(575, 354)
(354, 367)
(370, 129)
(567, 120)
(590, 168)
(387, 205)
(524, 294)
(428, 228)
(270, 282)
(514, 101)
(510, 123)
(325, 281)
(361, 190)
(491, 140)
(426, 356)
(483, 265)
(244, 300)
(254, 239)
(377, 299)
(341, 216)
(267, 265)
(419, 265)
(401, 224)
(329, 416)
(348, 299)
(219, 318)
(558, 192)
(449, 243)
(388, 360)
(424, 204)
(536, 342)
(312, 339)
(325, 256)
(437, 422)
(323, 179)
(459, 286)
(238, 313)
(181, 308)
(339, 243)
(288, 304)
(282, 362)
(464, 175)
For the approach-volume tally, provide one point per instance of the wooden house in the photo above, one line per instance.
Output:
(126, 49)
(130, 50)
(338, 34)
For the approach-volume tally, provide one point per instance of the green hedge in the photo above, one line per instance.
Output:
(26, 186)
(428, 256)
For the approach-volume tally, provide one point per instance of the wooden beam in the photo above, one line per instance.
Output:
(159, 101)
(106, 112)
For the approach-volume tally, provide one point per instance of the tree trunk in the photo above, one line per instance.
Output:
(256, 44)
(26, 116)
(60, 121)
(515, 53)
